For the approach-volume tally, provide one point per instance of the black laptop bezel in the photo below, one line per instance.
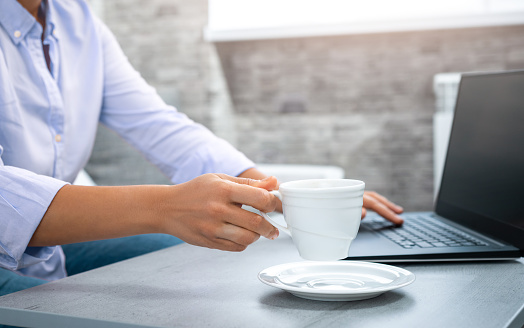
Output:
(510, 234)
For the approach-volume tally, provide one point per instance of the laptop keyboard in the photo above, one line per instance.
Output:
(423, 232)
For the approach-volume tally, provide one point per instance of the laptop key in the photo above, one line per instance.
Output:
(420, 232)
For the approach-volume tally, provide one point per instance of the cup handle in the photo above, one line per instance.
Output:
(270, 220)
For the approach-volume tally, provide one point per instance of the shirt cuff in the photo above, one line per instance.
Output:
(24, 199)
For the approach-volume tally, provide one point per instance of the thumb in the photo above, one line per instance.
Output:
(269, 183)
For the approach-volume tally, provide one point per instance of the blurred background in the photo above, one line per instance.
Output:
(366, 87)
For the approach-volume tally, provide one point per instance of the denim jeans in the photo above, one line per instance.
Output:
(86, 256)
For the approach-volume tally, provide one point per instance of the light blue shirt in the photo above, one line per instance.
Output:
(48, 122)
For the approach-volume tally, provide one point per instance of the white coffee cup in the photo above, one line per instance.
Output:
(322, 215)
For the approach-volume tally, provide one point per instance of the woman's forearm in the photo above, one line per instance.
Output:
(204, 211)
(81, 213)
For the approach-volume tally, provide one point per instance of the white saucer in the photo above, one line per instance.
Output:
(336, 281)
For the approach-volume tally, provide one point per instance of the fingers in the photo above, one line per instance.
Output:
(384, 207)
(237, 229)
(236, 224)
(253, 223)
(222, 244)
(248, 192)
(392, 206)
(253, 193)
(228, 245)
(238, 235)
(269, 183)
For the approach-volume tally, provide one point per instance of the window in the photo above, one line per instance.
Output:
(255, 19)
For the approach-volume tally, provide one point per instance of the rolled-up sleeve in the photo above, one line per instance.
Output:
(179, 147)
(24, 199)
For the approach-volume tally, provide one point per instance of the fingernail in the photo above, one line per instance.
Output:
(274, 235)
(399, 220)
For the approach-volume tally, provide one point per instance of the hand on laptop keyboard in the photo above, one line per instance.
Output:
(385, 208)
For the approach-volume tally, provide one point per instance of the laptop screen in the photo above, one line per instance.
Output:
(483, 180)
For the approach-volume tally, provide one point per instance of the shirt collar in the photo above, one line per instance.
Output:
(15, 19)
(51, 27)
(18, 22)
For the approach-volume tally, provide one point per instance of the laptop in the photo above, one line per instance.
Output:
(479, 210)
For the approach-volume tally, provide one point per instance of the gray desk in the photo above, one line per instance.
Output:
(187, 286)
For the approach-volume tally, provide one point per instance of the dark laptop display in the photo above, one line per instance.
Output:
(482, 187)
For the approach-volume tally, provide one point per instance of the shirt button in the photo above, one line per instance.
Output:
(55, 33)
(17, 34)
(58, 138)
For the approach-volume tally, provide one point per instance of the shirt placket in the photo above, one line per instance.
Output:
(55, 115)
